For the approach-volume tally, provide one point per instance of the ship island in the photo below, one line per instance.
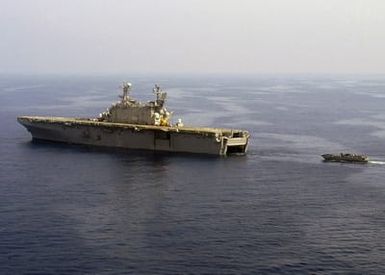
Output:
(132, 124)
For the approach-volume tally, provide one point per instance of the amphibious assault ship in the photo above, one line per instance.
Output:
(135, 125)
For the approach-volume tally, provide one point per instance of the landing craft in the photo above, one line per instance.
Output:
(346, 157)
(136, 125)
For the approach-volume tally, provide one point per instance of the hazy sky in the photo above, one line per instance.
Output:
(199, 36)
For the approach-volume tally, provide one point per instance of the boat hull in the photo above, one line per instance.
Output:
(345, 158)
(213, 141)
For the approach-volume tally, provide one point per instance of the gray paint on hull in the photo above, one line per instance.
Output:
(145, 139)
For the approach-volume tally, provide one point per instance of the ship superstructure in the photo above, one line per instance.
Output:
(131, 111)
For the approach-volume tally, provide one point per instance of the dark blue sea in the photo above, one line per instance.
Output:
(68, 209)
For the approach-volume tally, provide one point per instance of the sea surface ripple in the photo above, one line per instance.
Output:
(280, 209)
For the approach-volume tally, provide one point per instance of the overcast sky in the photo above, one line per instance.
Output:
(192, 36)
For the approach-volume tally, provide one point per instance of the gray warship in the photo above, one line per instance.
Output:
(135, 125)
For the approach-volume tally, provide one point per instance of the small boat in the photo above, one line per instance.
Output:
(346, 157)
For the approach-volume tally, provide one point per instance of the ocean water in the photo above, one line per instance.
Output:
(279, 209)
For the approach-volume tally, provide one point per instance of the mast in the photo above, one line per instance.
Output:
(126, 86)
(160, 95)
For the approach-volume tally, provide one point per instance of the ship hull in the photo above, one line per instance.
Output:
(212, 141)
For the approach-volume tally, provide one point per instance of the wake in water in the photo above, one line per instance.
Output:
(377, 162)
